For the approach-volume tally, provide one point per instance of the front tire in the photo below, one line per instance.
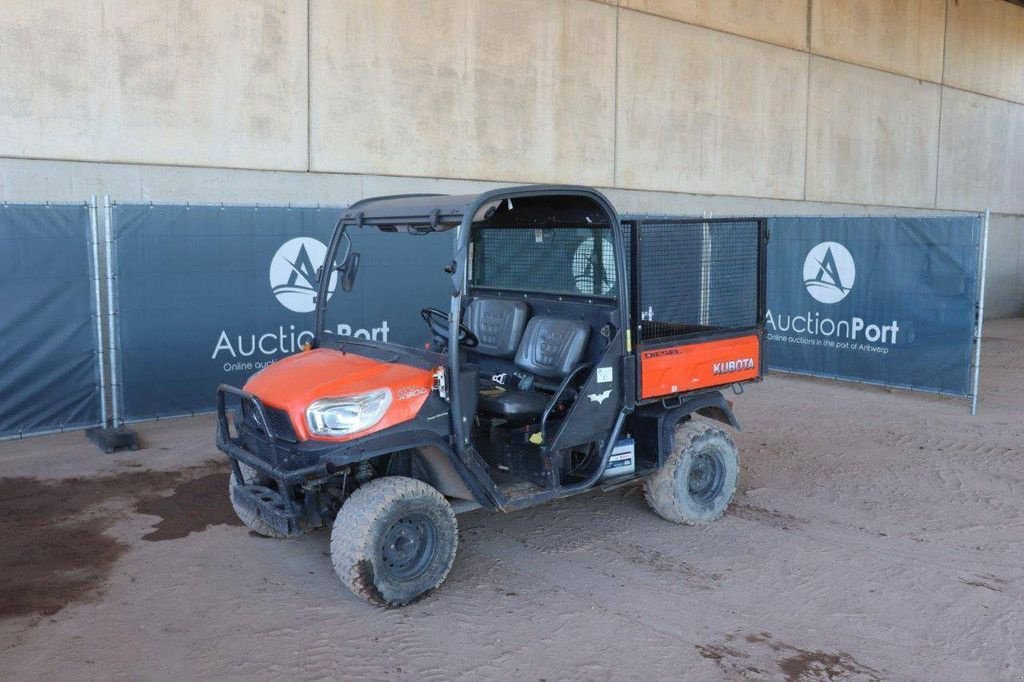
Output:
(698, 479)
(394, 540)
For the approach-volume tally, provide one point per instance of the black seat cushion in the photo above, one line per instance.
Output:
(550, 349)
(552, 346)
(498, 324)
(518, 407)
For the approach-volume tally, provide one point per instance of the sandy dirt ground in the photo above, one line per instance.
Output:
(875, 535)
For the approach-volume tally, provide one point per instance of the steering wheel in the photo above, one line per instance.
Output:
(437, 320)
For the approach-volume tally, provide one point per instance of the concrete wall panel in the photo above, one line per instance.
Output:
(871, 136)
(985, 48)
(519, 90)
(776, 21)
(175, 82)
(707, 112)
(981, 153)
(1004, 276)
(903, 36)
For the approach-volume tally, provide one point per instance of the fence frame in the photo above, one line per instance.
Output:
(113, 301)
(92, 253)
(106, 322)
(974, 367)
(979, 314)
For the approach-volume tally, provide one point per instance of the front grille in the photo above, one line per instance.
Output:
(259, 447)
(280, 422)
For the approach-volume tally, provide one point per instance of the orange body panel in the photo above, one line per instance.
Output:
(293, 383)
(691, 366)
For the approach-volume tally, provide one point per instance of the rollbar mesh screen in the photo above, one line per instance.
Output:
(573, 260)
(697, 277)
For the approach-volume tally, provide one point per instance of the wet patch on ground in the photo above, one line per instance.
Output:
(193, 506)
(735, 657)
(42, 572)
(56, 549)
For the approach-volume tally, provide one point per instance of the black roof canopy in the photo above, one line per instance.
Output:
(537, 204)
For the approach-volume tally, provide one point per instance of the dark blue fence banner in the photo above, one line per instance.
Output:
(209, 295)
(49, 379)
(879, 300)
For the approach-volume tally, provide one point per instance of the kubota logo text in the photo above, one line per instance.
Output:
(293, 273)
(731, 366)
(829, 272)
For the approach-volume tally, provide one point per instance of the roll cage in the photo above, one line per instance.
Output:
(425, 213)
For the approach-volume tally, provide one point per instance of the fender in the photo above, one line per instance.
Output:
(451, 476)
(656, 427)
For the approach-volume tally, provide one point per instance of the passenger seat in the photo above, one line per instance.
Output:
(551, 348)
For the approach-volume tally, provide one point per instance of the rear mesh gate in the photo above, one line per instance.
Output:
(697, 301)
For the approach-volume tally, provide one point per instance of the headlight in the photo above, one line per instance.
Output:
(351, 414)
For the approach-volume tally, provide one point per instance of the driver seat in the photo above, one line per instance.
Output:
(498, 325)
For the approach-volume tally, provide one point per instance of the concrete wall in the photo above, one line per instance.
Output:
(783, 22)
(985, 48)
(173, 82)
(517, 90)
(981, 156)
(708, 111)
(901, 36)
(724, 106)
(871, 136)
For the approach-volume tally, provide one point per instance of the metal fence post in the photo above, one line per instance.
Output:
(980, 314)
(97, 302)
(113, 343)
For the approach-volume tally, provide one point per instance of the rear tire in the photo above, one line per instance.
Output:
(246, 516)
(698, 479)
(394, 540)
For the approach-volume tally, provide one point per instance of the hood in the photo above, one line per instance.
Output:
(293, 383)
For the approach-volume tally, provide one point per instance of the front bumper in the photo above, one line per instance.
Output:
(262, 447)
(272, 507)
(305, 463)
(285, 509)
(300, 468)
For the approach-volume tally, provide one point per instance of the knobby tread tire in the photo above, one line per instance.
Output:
(358, 527)
(664, 491)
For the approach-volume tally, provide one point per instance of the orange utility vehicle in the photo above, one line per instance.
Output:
(579, 349)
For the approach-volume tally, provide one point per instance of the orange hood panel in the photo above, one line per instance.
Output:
(296, 381)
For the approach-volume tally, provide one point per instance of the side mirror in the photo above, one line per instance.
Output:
(348, 271)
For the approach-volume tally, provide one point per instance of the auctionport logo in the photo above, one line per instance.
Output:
(829, 272)
(293, 273)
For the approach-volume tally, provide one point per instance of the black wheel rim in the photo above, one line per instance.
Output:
(408, 547)
(705, 477)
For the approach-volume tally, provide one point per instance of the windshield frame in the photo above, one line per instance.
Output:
(323, 291)
(458, 268)
(377, 350)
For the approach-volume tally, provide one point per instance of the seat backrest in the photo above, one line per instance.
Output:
(498, 324)
(552, 346)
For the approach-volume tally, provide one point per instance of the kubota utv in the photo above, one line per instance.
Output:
(579, 349)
